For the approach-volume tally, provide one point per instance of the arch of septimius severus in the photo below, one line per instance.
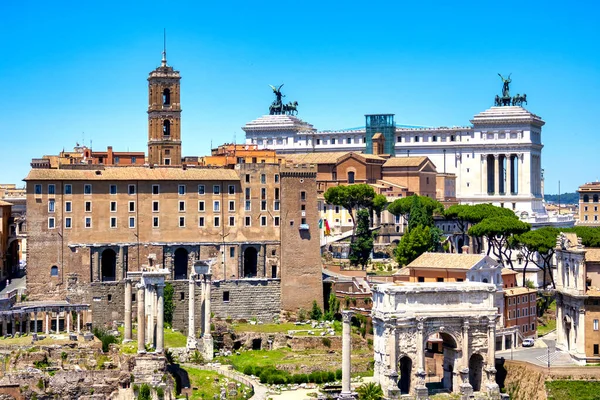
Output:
(459, 316)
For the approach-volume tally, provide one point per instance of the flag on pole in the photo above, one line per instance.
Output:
(327, 230)
(321, 223)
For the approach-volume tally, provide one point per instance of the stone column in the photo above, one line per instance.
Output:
(392, 390)
(496, 174)
(490, 369)
(57, 322)
(346, 353)
(35, 328)
(484, 176)
(4, 325)
(96, 264)
(465, 387)
(207, 341)
(421, 390)
(160, 315)
(148, 303)
(191, 339)
(22, 319)
(120, 268)
(47, 322)
(27, 324)
(14, 324)
(509, 185)
(141, 291)
(68, 321)
(78, 322)
(127, 316)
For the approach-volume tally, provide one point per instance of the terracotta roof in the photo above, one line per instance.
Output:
(590, 186)
(134, 173)
(405, 161)
(592, 254)
(508, 271)
(5, 203)
(448, 261)
(404, 271)
(518, 290)
(377, 135)
(330, 157)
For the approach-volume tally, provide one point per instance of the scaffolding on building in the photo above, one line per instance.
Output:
(384, 124)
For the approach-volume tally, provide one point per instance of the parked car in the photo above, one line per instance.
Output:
(528, 342)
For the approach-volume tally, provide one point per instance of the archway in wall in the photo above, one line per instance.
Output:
(181, 263)
(405, 375)
(475, 371)
(250, 262)
(109, 265)
(440, 357)
(460, 243)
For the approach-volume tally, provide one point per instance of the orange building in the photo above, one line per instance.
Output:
(520, 309)
(230, 154)
(82, 155)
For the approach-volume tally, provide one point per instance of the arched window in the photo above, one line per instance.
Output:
(166, 97)
(54, 271)
(350, 176)
(595, 198)
(586, 198)
(167, 127)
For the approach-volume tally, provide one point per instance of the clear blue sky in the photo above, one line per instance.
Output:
(78, 69)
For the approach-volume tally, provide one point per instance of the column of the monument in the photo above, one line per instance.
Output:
(127, 316)
(141, 316)
(22, 323)
(57, 322)
(4, 325)
(346, 352)
(27, 323)
(484, 176)
(47, 322)
(14, 324)
(78, 322)
(96, 265)
(392, 390)
(160, 315)
(465, 386)
(149, 302)
(491, 356)
(68, 320)
(581, 331)
(559, 323)
(191, 339)
(509, 181)
(421, 390)
(121, 269)
(207, 305)
(35, 328)
(496, 174)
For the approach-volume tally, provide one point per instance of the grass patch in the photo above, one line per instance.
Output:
(568, 390)
(207, 387)
(172, 339)
(543, 329)
(268, 328)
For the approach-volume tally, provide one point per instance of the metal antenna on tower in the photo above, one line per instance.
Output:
(164, 58)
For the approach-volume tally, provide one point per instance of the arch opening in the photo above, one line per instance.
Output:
(166, 127)
(475, 371)
(441, 355)
(54, 271)
(166, 97)
(109, 265)
(181, 264)
(250, 262)
(405, 375)
(350, 177)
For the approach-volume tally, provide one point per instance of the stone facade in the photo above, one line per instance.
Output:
(462, 315)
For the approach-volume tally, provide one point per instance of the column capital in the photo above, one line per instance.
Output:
(192, 277)
(140, 286)
(127, 280)
(347, 315)
(207, 276)
(496, 156)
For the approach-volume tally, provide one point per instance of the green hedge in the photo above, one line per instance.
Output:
(273, 376)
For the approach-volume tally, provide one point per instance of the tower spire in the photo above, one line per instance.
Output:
(164, 58)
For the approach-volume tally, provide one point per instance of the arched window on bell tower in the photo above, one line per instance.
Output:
(166, 127)
(166, 97)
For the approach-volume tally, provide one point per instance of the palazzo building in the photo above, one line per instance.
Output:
(589, 194)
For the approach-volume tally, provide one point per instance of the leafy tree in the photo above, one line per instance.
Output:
(414, 243)
(361, 248)
(497, 230)
(379, 204)
(168, 303)
(538, 246)
(590, 236)
(333, 307)
(418, 214)
(369, 391)
(403, 206)
(315, 312)
(352, 198)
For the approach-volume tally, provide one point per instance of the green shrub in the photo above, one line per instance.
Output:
(160, 392)
(316, 313)
(63, 355)
(145, 392)
(302, 314)
(248, 370)
(330, 376)
(326, 342)
(338, 374)
(40, 384)
(106, 338)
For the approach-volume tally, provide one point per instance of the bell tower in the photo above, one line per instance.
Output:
(164, 115)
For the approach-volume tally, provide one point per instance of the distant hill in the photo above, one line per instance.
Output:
(565, 198)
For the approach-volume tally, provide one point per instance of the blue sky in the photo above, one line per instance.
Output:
(75, 70)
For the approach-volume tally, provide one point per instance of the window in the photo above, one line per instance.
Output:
(276, 193)
(155, 189)
(416, 138)
(232, 251)
(68, 222)
(132, 222)
(263, 221)
(166, 97)
(434, 138)
(247, 221)
(131, 189)
(133, 160)
(333, 141)
(276, 178)
(459, 280)
(113, 206)
(217, 221)
(54, 271)
(87, 188)
(51, 205)
(263, 193)
(231, 189)
(247, 206)
(303, 196)
(421, 279)
(318, 141)
(181, 190)
(113, 189)
(155, 206)
(452, 138)
(201, 221)
(216, 205)
(88, 206)
(263, 205)
(51, 189)
(231, 221)
(88, 222)
(337, 209)
(216, 189)
(51, 223)
(132, 206)
(595, 324)
(231, 205)
(427, 180)
(247, 194)
(247, 178)
(276, 205)
(596, 349)
(276, 221)
(181, 205)
(440, 279)
(350, 176)
(113, 222)
(155, 221)
(181, 222)
(226, 296)
(200, 189)
(201, 206)
(166, 127)
(38, 189)
(68, 189)
(399, 139)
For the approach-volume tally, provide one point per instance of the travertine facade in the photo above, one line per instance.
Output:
(406, 315)
(589, 205)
